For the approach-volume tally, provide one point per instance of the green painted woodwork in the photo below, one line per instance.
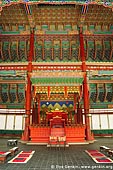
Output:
(9, 72)
(111, 28)
(48, 44)
(57, 32)
(5, 44)
(13, 88)
(92, 87)
(12, 95)
(67, 27)
(101, 95)
(15, 106)
(11, 132)
(19, 132)
(99, 105)
(109, 87)
(21, 28)
(65, 44)
(100, 78)
(105, 72)
(107, 44)
(92, 27)
(102, 32)
(21, 86)
(13, 78)
(57, 80)
(108, 2)
(45, 27)
(22, 44)
(103, 132)
(10, 32)
(4, 88)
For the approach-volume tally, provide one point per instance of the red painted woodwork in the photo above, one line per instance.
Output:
(31, 51)
(65, 91)
(85, 86)
(57, 132)
(51, 115)
(57, 122)
(26, 134)
(57, 67)
(39, 134)
(57, 136)
(73, 134)
(49, 91)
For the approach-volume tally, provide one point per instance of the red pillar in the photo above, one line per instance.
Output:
(26, 134)
(85, 87)
(34, 114)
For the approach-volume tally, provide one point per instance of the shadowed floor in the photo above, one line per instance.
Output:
(72, 158)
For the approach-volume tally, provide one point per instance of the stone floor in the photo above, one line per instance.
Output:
(72, 158)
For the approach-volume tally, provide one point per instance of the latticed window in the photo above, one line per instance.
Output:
(38, 54)
(75, 50)
(101, 96)
(109, 92)
(47, 54)
(65, 54)
(107, 51)
(22, 51)
(107, 54)
(47, 50)
(6, 55)
(93, 92)
(75, 53)
(91, 53)
(99, 55)
(21, 93)
(65, 50)
(12, 97)
(4, 97)
(56, 49)
(4, 93)
(20, 97)
(5, 51)
(93, 96)
(56, 53)
(14, 55)
(13, 51)
(109, 96)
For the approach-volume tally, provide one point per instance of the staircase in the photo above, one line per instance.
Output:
(57, 133)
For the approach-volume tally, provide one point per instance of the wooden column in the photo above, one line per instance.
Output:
(85, 87)
(38, 100)
(79, 113)
(35, 113)
(26, 134)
